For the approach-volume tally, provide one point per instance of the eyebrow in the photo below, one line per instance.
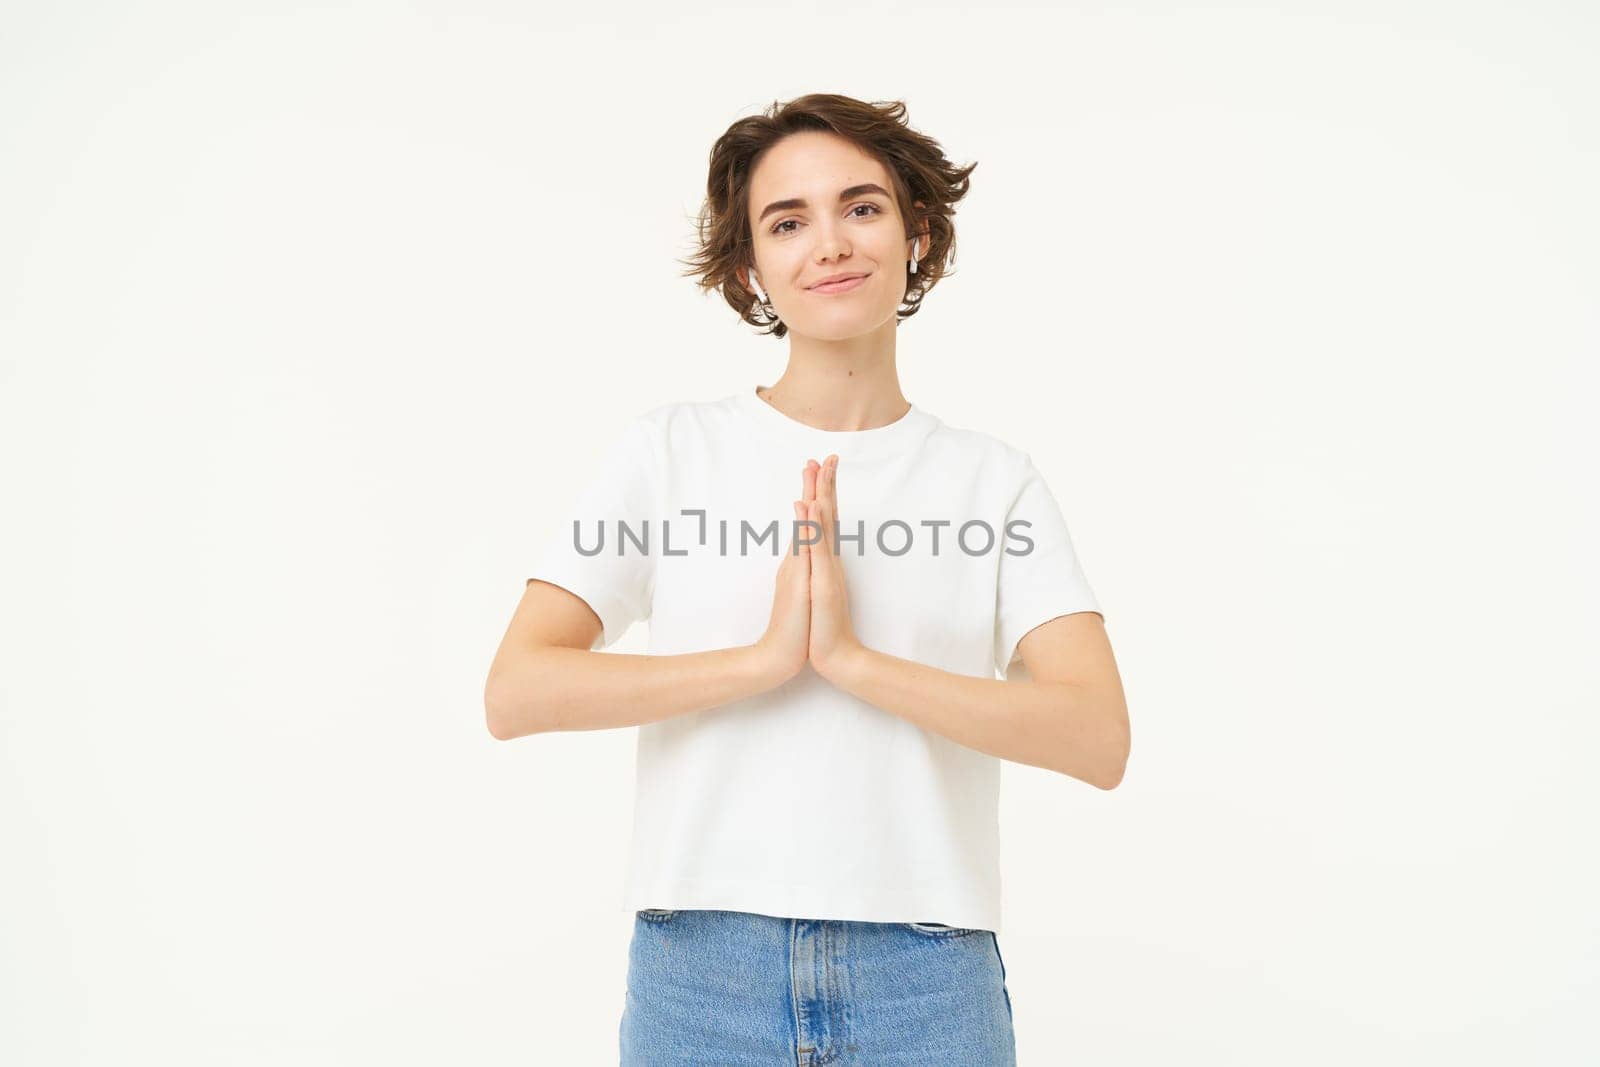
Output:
(845, 194)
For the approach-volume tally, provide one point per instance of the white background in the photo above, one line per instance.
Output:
(313, 321)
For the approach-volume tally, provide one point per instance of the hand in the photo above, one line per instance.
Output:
(833, 639)
(785, 645)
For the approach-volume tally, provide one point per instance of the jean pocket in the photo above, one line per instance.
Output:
(939, 929)
(657, 915)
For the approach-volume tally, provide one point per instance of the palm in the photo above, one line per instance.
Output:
(831, 631)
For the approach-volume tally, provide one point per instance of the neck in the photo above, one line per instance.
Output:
(848, 384)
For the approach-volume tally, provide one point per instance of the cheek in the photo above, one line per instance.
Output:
(886, 247)
(786, 264)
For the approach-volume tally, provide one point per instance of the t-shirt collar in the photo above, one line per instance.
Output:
(904, 433)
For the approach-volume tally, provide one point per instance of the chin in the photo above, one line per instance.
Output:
(835, 327)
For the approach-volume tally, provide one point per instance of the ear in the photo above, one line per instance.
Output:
(922, 237)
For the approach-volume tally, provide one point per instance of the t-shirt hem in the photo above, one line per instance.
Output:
(890, 904)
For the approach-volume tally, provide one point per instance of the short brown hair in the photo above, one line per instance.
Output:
(916, 164)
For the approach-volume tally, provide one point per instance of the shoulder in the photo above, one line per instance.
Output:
(653, 442)
(673, 424)
(988, 451)
(675, 414)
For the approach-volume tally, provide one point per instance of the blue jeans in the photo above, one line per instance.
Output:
(737, 989)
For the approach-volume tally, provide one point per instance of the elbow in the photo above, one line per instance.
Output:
(497, 728)
(1117, 763)
(502, 725)
(516, 698)
(493, 718)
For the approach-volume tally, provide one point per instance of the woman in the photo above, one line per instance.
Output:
(814, 870)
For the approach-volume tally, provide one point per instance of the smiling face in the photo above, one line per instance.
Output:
(820, 206)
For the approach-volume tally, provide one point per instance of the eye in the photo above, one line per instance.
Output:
(778, 229)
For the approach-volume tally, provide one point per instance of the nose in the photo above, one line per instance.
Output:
(831, 243)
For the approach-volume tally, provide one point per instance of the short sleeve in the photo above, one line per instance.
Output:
(589, 556)
(1039, 576)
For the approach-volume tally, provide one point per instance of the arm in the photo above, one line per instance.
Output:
(1071, 717)
(546, 676)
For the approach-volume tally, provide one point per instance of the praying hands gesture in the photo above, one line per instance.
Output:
(810, 607)
(1069, 716)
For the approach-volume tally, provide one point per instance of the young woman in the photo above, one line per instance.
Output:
(835, 580)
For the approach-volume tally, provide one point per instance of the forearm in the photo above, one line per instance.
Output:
(1055, 725)
(552, 688)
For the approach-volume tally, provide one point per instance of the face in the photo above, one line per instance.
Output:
(804, 232)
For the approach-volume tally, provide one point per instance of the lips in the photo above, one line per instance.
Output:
(842, 286)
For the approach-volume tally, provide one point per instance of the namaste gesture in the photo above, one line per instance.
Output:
(810, 607)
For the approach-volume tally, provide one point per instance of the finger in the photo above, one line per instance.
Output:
(794, 537)
(822, 551)
(809, 527)
(798, 546)
(809, 481)
(833, 486)
(829, 505)
(803, 561)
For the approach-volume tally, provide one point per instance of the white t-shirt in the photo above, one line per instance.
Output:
(805, 801)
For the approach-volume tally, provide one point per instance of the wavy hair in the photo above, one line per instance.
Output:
(916, 164)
